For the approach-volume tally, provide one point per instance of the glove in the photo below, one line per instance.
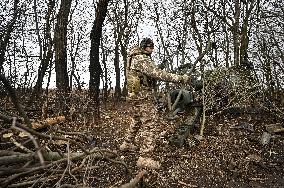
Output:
(186, 79)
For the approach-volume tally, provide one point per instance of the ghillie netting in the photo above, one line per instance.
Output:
(231, 88)
(227, 87)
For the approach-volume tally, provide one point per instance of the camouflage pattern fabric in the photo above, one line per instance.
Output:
(139, 64)
(144, 128)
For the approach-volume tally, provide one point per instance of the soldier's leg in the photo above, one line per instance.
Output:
(149, 138)
(128, 143)
(149, 135)
(134, 128)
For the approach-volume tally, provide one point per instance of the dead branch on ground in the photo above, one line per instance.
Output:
(41, 135)
(133, 183)
(95, 153)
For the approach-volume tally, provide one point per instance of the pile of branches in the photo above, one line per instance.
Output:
(32, 157)
(29, 157)
(39, 153)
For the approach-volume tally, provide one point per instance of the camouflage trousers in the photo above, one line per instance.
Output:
(144, 127)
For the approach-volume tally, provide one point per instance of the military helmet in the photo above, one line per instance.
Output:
(146, 42)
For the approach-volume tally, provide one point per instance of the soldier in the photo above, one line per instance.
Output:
(141, 75)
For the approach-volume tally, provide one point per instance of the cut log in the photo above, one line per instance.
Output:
(47, 122)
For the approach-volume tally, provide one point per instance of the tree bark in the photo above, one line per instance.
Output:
(95, 67)
(105, 77)
(47, 55)
(60, 45)
(117, 71)
(12, 93)
(244, 40)
(236, 33)
(5, 38)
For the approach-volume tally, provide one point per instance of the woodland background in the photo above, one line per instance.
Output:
(72, 38)
(82, 47)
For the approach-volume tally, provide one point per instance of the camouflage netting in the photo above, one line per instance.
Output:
(229, 87)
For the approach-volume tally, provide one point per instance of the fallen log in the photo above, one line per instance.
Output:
(12, 159)
(35, 133)
(47, 122)
(7, 153)
(48, 156)
(97, 154)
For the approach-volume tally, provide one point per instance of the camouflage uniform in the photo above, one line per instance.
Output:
(141, 72)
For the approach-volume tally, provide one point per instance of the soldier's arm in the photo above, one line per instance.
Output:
(146, 66)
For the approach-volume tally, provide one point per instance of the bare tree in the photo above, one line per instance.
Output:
(46, 49)
(74, 52)
(95, 67)
(268, 51)
(5, 36)
(117, 70)
(60, 45)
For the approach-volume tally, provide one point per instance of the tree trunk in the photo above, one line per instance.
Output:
(105, 87)
(244, 36)
(117, 72)
(124, 56)
(60, 45)
(5, 37)
(95, 67)
(74, 51)
(236, 34)
(47, 54)
(227, 49)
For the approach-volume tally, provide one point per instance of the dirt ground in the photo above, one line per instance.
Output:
(232, 153)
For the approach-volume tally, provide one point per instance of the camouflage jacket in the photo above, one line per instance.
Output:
(139, 65)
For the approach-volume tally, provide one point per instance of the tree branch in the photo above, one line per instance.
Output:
(33, 132)
(15, 99)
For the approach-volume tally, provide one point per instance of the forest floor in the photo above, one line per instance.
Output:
(231, 154)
